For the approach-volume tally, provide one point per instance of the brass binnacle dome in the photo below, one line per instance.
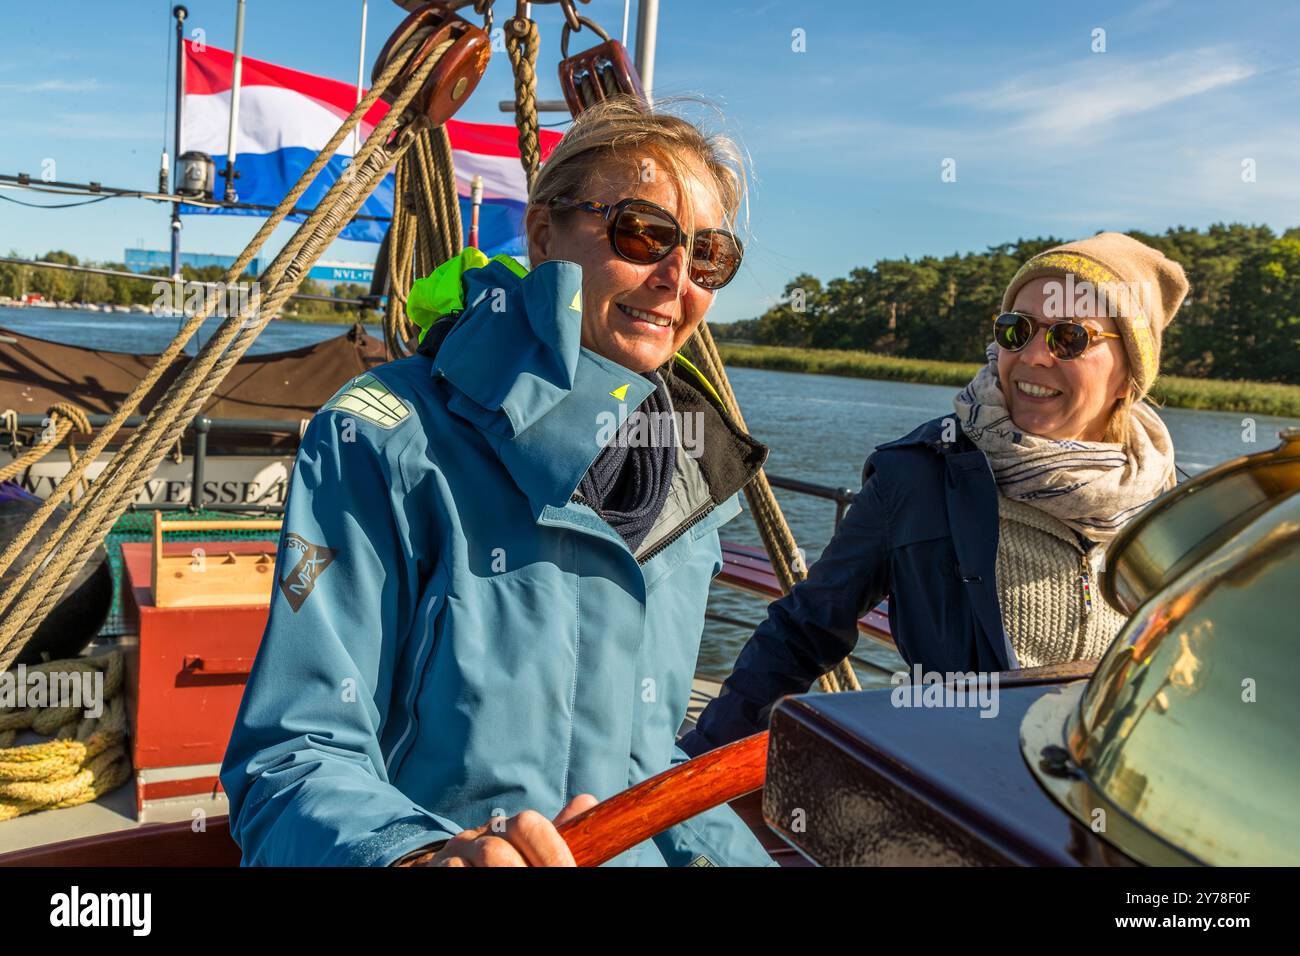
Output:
(1182, 747)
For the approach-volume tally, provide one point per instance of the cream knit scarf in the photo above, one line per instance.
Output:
(1093, 487)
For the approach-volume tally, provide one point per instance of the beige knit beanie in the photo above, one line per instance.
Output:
(1122, 277)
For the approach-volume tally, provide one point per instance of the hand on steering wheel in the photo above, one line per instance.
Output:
(526, 839)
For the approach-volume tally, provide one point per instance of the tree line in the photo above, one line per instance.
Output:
(1240, 320)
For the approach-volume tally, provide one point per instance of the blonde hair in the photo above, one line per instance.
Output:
(624, 130)
(1119, 426)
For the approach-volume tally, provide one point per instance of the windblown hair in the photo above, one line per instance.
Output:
(1118, 428)
(624, 137)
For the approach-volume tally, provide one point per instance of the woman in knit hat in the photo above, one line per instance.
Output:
(986, 528)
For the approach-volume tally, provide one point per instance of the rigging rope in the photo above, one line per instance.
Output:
(778, 539)
(90, 518)
(62, 205)
(522, 44)
(63, 418)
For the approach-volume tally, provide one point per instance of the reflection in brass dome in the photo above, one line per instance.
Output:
(1186, 523)
(1182, 747)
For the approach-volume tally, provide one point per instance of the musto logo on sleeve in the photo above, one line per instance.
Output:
(313, 559)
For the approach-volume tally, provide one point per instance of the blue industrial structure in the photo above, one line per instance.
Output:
(328, 273)
(144, 260)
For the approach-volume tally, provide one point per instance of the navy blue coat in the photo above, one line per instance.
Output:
(923, 531)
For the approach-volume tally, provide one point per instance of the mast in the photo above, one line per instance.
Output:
(180, 13)
(236, 79)
(647, 28)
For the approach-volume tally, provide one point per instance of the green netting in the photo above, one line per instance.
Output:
(138, 526)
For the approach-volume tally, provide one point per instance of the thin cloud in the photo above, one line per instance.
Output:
(1089, 97)
(64, 127)
(52, 86)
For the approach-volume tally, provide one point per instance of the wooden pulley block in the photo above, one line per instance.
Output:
(457, 73)
(597, 74)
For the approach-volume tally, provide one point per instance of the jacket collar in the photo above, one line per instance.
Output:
(729, 457)
(517, 371)
(932, 435)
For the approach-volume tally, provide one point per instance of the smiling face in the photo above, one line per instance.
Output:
(1070, 400)
(636, 315)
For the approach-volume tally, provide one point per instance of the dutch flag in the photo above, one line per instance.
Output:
(286, 116)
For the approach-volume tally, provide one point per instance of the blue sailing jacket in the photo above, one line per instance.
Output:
(452, 636)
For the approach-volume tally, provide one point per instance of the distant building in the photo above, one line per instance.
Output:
(144, 260)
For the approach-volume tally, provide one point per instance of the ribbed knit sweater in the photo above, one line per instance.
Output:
(1041, 568)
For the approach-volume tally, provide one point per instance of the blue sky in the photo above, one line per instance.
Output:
(847, 138)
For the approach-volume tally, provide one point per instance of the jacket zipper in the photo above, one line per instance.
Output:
(1085, 583)
(700, 514)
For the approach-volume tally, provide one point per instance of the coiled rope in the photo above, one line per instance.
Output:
(426, 229)
(63, 418)
(87, 757)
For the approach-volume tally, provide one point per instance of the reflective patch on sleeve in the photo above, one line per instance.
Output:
(369, 398)
(701, 861)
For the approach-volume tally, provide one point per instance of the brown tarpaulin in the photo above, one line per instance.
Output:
(292, 385)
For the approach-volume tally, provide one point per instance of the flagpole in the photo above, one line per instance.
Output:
(180, 13)
(476, 202)
(361, 67)
(231, 142)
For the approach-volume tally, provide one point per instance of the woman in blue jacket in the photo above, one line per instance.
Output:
(496, 553)
(986, 528)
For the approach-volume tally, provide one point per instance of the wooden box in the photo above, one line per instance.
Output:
(186, 673)
(211, 573)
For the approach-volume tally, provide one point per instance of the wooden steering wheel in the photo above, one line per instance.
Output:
(665, 800)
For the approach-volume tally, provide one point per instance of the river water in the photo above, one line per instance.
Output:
(820, 429)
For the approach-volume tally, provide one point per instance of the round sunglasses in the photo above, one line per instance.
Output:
(1065, 340)
(643, 232)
